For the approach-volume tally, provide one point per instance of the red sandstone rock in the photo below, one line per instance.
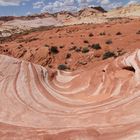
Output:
(101, 103)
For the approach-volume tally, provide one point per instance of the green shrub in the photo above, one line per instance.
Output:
(68, 55)
(102, 33)
(54, 50)
(78, 49)
(120, 53)
(109, 42)
(46, 45)
(91, 34)
(62, 67)
(96, 46)
(82, 63)
(85, 50)
(108, 54)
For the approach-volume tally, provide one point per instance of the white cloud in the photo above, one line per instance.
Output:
(28, 13)
(104, 2)
(66, 5)
(11, 2)
(114, 5)
(69, 2)
(84, 1)
(59, 6)
(38, 4)
(133, 2)
(74, 5)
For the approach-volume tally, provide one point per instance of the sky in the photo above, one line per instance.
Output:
(27, 7)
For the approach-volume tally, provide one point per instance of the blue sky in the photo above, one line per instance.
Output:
(25, 7)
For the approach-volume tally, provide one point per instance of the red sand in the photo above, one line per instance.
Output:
(36, 52)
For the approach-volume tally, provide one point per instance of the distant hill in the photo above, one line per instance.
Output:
(87, 15)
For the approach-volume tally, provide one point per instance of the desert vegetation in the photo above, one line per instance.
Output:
(86, 41)
(54, 50)
(96, 46)
(27, 40)
(109, 41)
(62, 67)
(118, 33)
(138, 32)
(68, 55)
(91, 35)
(46, 45)
(108, 54)
(78, 49)
(102, 34)
(85, 50)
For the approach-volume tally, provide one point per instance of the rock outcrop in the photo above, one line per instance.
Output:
(132, 10)
(99, 103)
(87, 15)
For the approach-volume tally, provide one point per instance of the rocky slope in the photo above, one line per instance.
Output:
(127, 11)
(12, 25)
(71, 42)
(56, 105)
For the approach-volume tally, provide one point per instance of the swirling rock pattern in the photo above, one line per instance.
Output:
(99, 103)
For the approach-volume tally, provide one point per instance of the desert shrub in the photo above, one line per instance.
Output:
(102, 33)
(26, 40)
(120, 53)
(138, 32)
(54, 50)
(20, 40)
(91, 34)
(96, 46)
(61, 47)
(32, 39)
(20, 46)
(82, 63)
(58, 30)
(118, 33)
(62, 67)
(78, 49)
(109, 42)
(85, 41)
(46, 45)
(85, 50)
(72, 48)
(68, 55)
(108, 54)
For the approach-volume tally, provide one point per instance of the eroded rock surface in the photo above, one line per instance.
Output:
(99, 103)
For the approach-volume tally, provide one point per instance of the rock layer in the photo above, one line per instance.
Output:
(12, 25)
(99, 103)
